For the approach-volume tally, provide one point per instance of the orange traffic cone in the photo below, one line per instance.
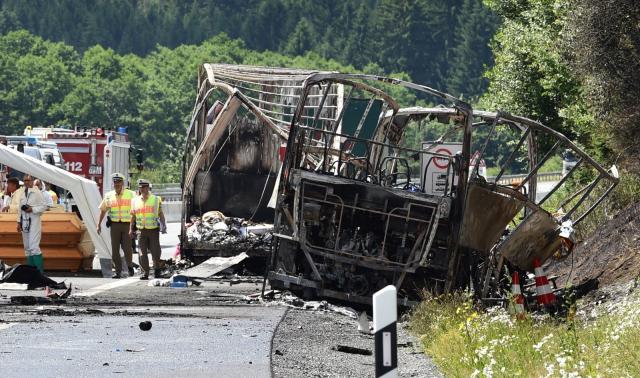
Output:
(545, 296)
(517, 297)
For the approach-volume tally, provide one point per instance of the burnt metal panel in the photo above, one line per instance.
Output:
(487, 215)
(535, 237)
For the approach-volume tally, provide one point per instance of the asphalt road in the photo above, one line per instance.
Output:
(169, 240)
(211, 343)
(211, 330)
(201, 331)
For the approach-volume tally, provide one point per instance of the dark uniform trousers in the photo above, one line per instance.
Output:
(120, 238)
(149, 242)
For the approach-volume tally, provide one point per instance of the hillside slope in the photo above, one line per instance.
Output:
(611, 255)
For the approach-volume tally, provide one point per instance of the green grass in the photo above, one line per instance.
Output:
(464, 342)
(554, 164)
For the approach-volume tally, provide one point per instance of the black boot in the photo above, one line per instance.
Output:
(157, 273)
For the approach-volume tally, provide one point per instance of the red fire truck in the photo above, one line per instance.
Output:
(92, 153)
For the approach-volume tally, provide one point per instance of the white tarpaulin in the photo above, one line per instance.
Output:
(84, 191)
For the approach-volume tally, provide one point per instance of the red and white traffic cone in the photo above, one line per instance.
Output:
(544, 293)
(517, 297)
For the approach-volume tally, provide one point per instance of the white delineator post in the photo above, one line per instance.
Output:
(385, 319)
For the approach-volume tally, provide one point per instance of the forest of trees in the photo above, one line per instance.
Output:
(47, 83)
(420, 37)
(572, 64)
(575, 66)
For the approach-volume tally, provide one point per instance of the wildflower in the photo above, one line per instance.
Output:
(562, 361)
(481, 352)
(539, 345)
(550, 369)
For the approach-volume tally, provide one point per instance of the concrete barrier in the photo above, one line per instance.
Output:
(172, 211)
(168, 192)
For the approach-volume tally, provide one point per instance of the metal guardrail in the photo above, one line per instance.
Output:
(517, 179)
(170, 185)
(173, 192)
(168, 192)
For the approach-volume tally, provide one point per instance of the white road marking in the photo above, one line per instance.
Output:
(102, 288)
(6, 325)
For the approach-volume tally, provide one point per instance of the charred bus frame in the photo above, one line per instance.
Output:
(346, 225)
(351, 214)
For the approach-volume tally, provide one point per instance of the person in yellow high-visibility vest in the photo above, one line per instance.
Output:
(147, 216)
(117, 203)
(54, 195)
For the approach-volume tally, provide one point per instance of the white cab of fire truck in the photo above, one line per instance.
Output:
(93, 153)
(51, 154)
(31, 146)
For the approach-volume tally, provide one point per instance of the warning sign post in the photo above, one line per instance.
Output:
(434, 170)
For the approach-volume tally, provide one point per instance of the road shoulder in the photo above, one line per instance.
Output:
(304, 343)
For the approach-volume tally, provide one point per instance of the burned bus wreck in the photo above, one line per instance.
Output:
(356, 203)
(350, 218)
(234, 146)
(356, 211)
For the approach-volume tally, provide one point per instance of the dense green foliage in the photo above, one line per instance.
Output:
(605, 41)
(573, 65)
(45, 83)
(420, 37)
(529, 76)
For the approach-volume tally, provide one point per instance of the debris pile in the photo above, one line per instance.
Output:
(176, 281)
(175, 265)
(288, 299)
(215, 231)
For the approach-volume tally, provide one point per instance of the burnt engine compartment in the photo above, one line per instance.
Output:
(236, 180)
(356, 238)
(238, 194)
(241, 176)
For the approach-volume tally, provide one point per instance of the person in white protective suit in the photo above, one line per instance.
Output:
(48, 200)
(32, 206)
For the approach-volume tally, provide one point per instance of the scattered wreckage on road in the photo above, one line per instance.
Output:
(326, 156)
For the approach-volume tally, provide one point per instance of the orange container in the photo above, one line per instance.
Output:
(61, 236)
